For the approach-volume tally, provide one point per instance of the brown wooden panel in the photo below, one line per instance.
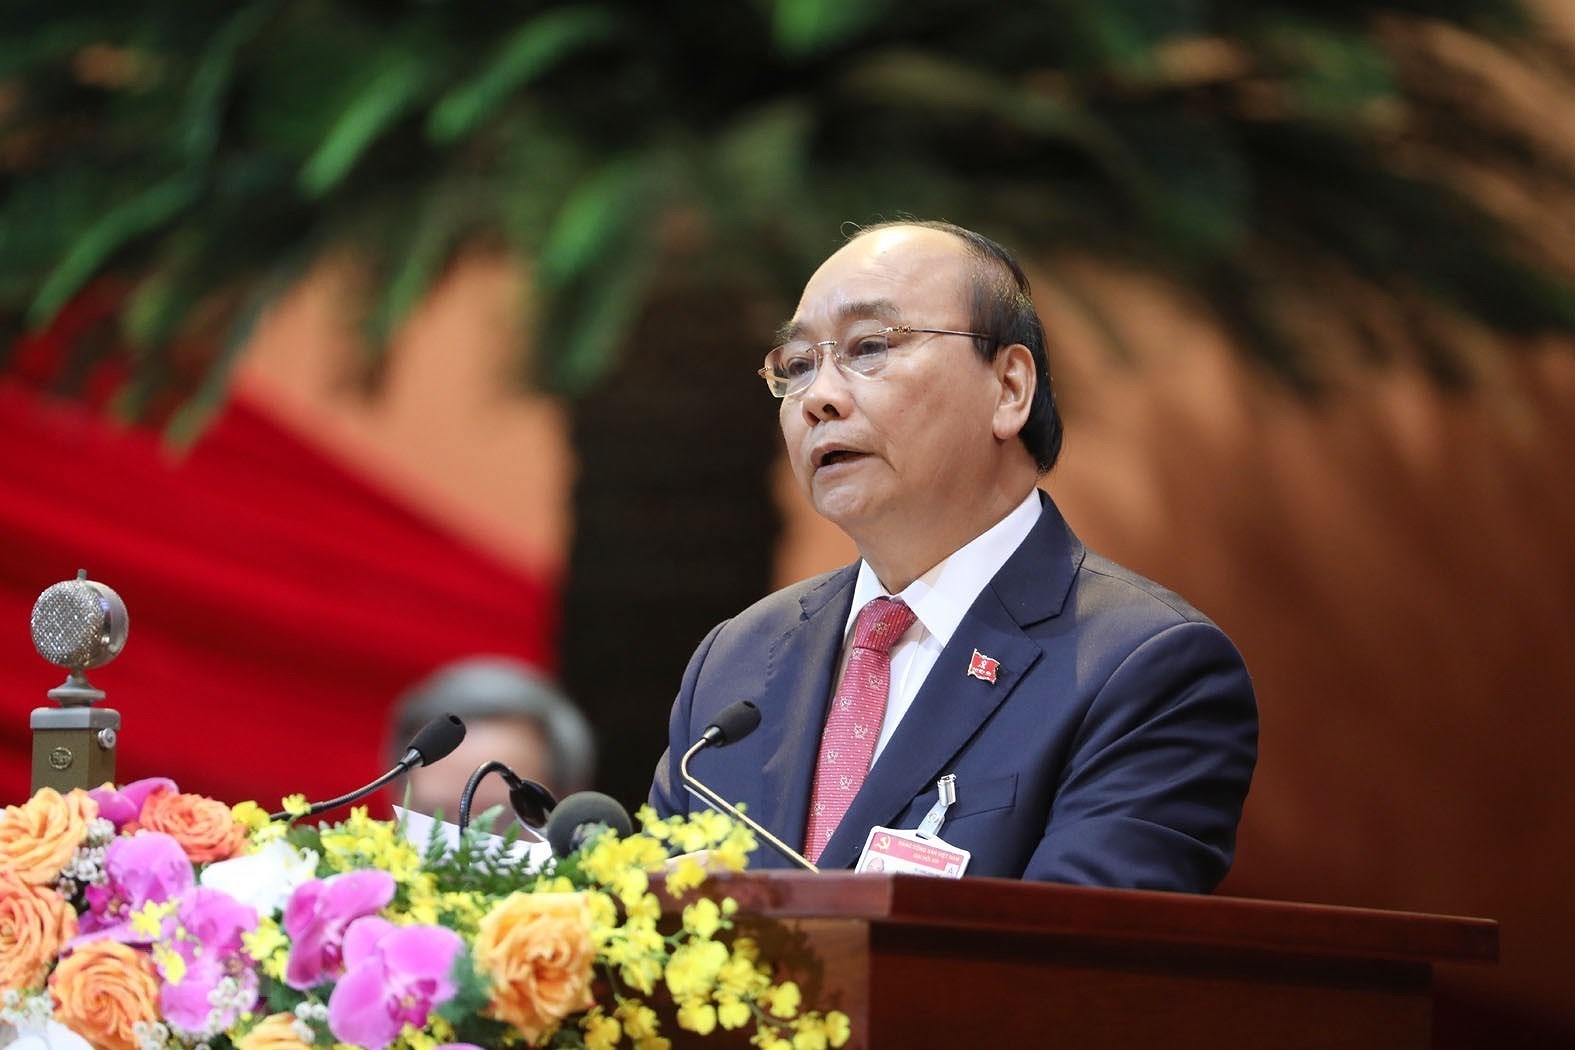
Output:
(921, 962)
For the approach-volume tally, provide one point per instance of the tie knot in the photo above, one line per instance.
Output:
(881, 623)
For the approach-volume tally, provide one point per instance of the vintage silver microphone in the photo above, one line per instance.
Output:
(78, 625)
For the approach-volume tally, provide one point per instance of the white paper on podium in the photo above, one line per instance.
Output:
(419, 831)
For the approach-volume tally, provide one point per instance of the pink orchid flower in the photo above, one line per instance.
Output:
(121, 807)
(316, 919)
(394, 976)
(149, 866)
(206, 932)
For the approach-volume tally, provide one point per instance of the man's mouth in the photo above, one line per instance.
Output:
(831, 457)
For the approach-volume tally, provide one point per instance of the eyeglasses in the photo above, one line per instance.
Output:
(792, 367)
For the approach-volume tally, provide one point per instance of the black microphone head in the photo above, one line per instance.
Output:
(737, 720)
(531, 801)
(576, 816)
(435, 740)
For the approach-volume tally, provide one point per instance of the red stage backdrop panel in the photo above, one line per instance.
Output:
(278, 602)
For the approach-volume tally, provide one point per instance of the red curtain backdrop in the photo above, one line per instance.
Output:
(278, 602)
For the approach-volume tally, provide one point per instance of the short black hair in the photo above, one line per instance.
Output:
(1003, 309)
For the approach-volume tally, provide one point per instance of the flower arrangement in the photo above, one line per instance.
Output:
(144, 918)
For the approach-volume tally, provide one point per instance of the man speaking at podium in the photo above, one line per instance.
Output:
(1099, 729)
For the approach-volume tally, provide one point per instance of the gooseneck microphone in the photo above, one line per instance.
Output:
(433, 741)
(577, 817)
(529, 800)
(736, 721)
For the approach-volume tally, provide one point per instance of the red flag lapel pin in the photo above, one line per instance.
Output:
(983, 667)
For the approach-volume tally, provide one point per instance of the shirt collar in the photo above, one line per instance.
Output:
(942, 597)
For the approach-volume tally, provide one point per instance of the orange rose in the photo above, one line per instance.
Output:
(34, 922)
(203, 827)
(38, 837)
(104, 988)
(276, 1032)
(536, 949)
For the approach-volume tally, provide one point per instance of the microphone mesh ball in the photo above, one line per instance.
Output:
(79, 624)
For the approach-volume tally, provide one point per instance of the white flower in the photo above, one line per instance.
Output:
(264, 879)
(52, 1035)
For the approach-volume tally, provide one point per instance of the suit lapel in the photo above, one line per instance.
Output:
(951, 705)
(799, 671)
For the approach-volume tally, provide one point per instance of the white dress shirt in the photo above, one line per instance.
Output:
(939, 599)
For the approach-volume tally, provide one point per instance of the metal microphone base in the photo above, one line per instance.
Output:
(74, 747)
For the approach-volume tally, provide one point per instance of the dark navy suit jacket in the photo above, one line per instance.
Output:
(1114, 748)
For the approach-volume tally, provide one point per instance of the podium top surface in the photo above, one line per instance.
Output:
(1112, 916)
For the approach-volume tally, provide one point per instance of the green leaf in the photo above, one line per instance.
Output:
(804, 27)
(596, 216)
(206, 94)
(401, 77)
(533, 49)
(585, 325)
(422, 257)
(762, 159)
(142, 214)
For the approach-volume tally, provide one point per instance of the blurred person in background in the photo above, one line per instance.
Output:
(513, 714)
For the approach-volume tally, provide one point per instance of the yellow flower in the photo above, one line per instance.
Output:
(685, 875)
(251, 815)
(268, 947)
(693, 968)
(650, 823)
(740, 975)
(731, 1011)
(641, 973)
(703, 918)
(733, 852)
(689, 838)
(295, 805)
(601, 1032)
(170, 962)
(647, 909)
(639, 1020)
(809, 1033)
(631, 885)
(149, 919)
(697, 1016)
(782, 1000)
(838, 1029)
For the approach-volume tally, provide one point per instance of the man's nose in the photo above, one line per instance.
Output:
(828, 395)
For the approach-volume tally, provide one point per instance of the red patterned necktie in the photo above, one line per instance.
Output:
(857, 711)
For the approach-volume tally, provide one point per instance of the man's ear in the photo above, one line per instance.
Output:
(1014, 370)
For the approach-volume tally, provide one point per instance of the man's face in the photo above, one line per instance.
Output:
(913, 448)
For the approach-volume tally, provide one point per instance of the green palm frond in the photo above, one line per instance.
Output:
(200, 156)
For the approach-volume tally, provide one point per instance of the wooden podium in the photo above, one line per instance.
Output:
(918, 962)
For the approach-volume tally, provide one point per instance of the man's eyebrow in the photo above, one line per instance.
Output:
(864, 310)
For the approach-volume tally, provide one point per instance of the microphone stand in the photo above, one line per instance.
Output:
(726, 808)
(539, 797)
(318, 808)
